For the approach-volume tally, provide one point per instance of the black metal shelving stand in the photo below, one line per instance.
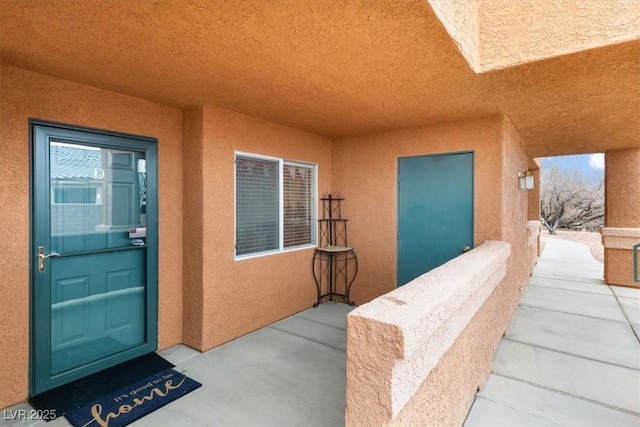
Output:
(334, 265)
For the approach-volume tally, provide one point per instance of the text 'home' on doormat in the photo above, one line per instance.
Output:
(130, 403)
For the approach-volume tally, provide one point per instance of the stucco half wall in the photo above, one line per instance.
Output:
(28, 95)
(411, 330)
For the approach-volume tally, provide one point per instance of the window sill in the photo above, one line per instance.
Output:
(274, 252)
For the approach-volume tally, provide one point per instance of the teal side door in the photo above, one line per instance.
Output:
(435, 211)
(94, 252)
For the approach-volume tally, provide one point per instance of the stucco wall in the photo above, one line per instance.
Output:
(27, 95)
(460, 19)
(514, 201)
(494, 34)
(446, 395)
(192, 292)
(365, 173)
(622, 180)
(618, 268)
(513, 32)
(534, 207)
(534, 201)
(365, 170)
(622, 215)
(242, 296)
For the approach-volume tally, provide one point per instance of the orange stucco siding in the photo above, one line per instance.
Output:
(514, 203)
(367, 179)
(365, 169)
(324, 67)
(224, 298)
(192, 293)
(622, 180)
(240, 296)
(30, 95)
(515, 32)
(534, 197)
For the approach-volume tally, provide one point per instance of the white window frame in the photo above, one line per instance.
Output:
(314, 205)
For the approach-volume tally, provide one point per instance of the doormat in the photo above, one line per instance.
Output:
(134, 401)
(81, 392)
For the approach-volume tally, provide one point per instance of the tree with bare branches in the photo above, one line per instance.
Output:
(570, 201)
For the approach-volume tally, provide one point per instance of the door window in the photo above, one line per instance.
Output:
(98, 195)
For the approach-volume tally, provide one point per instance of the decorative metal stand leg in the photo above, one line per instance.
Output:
(334, 270)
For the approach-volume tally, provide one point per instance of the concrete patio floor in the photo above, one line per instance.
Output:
(571, 355)
(289, 373)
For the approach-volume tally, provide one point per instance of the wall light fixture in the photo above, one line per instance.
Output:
(525, 180)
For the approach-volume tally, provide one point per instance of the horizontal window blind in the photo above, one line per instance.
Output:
(257, 205)
(298, 214)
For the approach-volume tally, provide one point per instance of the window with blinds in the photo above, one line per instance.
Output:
(298, 200)
(257, 210)
(275, 205)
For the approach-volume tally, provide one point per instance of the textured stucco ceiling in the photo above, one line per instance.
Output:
(338, 68)
(515, 32)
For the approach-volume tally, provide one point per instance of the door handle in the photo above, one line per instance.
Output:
(466, 249)
(42, 257)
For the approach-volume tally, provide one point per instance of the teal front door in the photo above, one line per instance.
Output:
(94, 252)
(435, 211)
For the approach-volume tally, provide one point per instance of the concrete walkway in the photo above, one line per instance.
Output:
(571, 355)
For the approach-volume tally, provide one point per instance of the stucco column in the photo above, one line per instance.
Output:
(622, 215)
(533, 212)
(534, 208)
(193, 245)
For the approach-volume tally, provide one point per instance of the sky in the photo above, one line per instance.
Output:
(589, 165)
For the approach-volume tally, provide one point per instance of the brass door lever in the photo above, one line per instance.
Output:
(42, 257)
